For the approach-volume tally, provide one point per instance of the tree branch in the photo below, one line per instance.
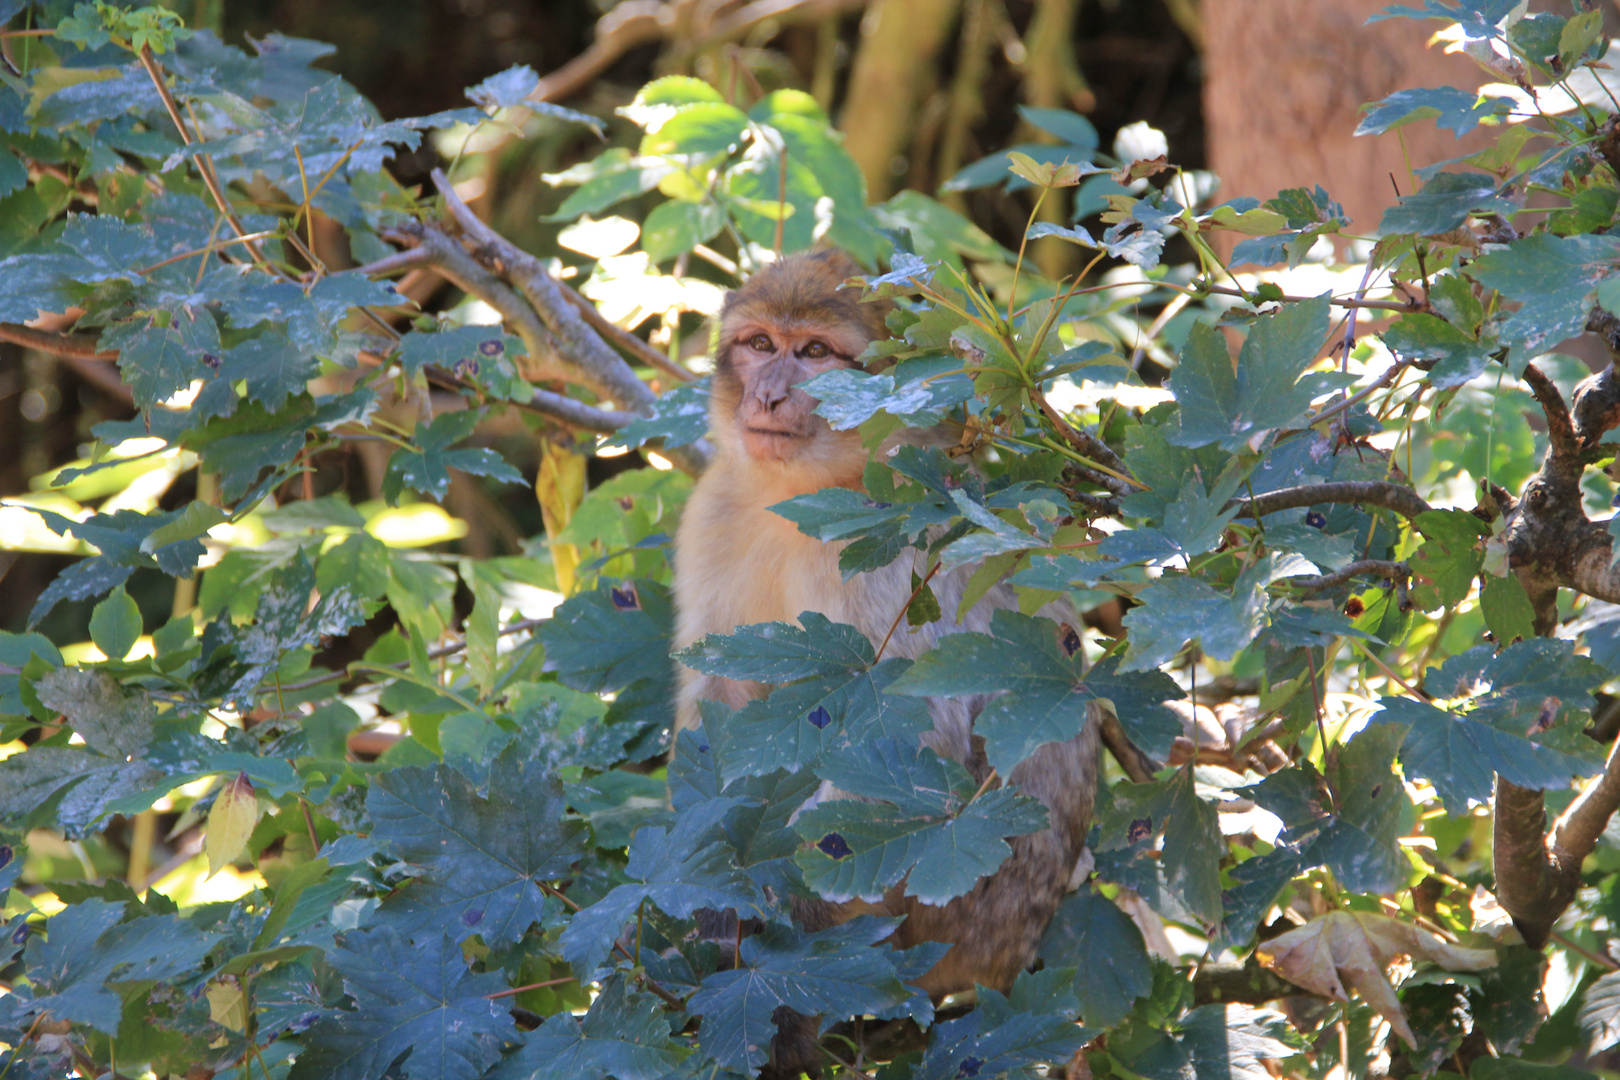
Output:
(577, 413)
(598, 366)
(1136, 763)
(1402, 500)
(1381, 567)
(449, 258)
(623, 338)
(82, 346)
(1243, 981)
(1565, 450)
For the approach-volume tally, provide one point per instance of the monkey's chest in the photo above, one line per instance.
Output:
(791, 573)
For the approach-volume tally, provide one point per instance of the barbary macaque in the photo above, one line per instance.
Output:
(736, 563)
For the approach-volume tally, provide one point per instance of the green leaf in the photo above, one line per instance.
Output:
(780, 652)
(844, 700)
(1600, 1012)
(1444, 203)
(1553, 278)
(511, 89)
(1456, 111)
(1461, 756)
(834, 971)
(610, 638)
(1450, 557)
(1235, 1041)
(1041, 667)
(1421, 336)
(676, 227)
(1580, 33)
(416, 998)
(1353, 831)
(426, 466)
(1071, 127)
(625, 1034)
(115, 624)
(937, 232)
(1090, 934)
(924, 825)
(160, 361)
(705, 127)
(1507, 608)
(849, 398)
(610, 178)
(482, 858)
(1192, 848)
(680, 417)
(240, 447)
(459, 349)
(1002, 1036)
(1175, 610)
(87, 954)
(678, 870)
(1235, 406)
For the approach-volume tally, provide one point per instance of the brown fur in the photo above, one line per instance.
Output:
(738, 563)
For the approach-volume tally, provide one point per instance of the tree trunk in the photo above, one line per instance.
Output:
(1285, 83)
(900, 43)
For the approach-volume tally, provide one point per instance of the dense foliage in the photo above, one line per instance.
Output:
(461, 854)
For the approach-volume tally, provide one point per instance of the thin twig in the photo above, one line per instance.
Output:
(1402, 500)
(205, 165)
(921, 585)
(1380, 567)
(1372, 305)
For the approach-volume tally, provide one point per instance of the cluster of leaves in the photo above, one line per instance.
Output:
(462, 855)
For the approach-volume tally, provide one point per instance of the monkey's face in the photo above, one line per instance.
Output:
(775, 420)
(792, 321)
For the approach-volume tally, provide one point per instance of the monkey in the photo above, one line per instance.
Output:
(737, 563)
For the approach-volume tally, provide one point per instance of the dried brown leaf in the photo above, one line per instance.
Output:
(1347, 949)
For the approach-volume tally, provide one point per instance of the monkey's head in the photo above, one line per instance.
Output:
(792, 321)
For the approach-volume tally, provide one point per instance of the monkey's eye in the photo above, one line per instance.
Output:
(815, 350)
(761, 343)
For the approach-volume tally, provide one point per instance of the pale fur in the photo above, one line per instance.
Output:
(737, 563)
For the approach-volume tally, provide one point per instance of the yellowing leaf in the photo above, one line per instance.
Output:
(230, 823)
(1047, 174)
(227, 1005)
(1353, 949)
(560, 487)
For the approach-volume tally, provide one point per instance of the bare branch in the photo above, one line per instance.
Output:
(411, 258)
(1531, 884)
(1239, 980)
(1367, 305)
(624, 339)
(1575, 834)
(640, 22)
(80, 346)
(1402, 500)
(1136, 763)
(597, 365)
(1565, 447)
(600, 368)
(449, 258)
(1096, 503)
(1383, 568)
(577, 413)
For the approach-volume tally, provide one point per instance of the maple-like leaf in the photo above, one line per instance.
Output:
(1354, 949)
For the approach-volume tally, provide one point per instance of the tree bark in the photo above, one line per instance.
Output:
(1285, 83)
(900, 44)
